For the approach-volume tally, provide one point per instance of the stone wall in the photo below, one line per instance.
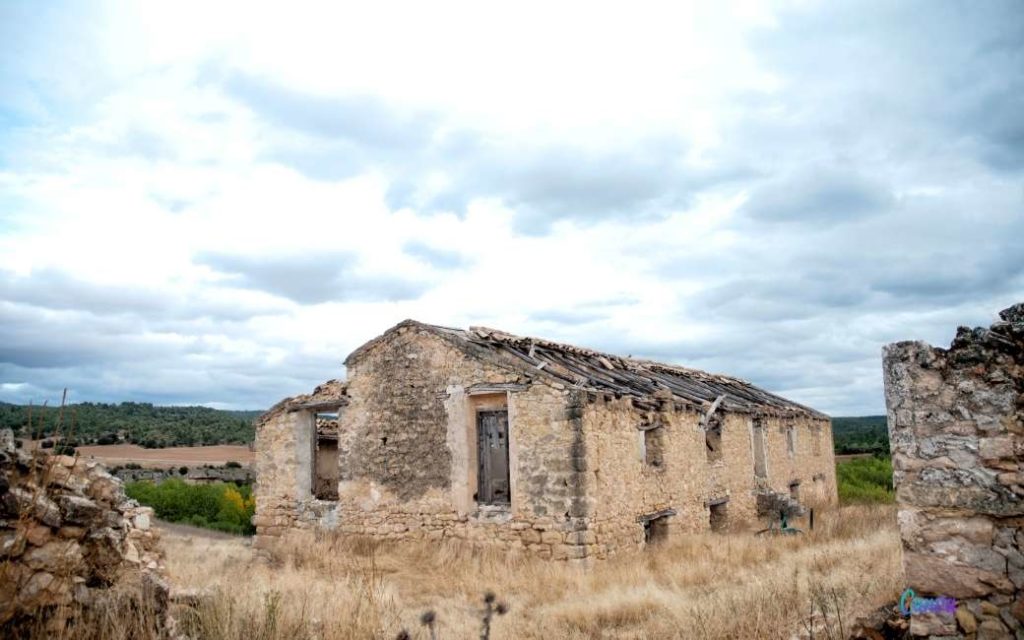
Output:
(408, 462)
(622, 487)
(956, 419)
(68, 534)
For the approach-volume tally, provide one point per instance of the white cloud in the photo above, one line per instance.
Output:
(215, 203)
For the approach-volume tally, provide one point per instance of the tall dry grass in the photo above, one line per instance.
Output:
(699, 586)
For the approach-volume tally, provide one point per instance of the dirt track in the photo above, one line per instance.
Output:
(114, 454)
(185, 531)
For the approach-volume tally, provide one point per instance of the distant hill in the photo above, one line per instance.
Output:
(134, 422)
(865, 434)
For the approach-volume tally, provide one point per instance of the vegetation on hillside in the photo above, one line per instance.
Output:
(132, 422)
(220, 506)
(865, 480)
(866, 434)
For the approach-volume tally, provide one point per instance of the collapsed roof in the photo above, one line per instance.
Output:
(330, 395)
(594, 371)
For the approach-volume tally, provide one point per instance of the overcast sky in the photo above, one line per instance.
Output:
(215, 203)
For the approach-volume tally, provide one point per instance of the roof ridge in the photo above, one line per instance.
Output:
(587, 368)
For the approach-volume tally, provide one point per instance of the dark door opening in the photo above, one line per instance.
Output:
(656, 530)
(492, 458)
(719, 515)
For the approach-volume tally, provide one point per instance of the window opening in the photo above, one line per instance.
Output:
(713, 439)
(325, 456)
(654, 445)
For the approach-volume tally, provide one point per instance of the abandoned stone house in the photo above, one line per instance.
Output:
(563, 451)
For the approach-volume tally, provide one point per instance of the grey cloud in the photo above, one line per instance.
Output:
(550, 182)
(818, 197)
(542, 182)
(35, 338)
(312, 279)
(363, 120)
(55, 289)
(59, 290)
(902, 85)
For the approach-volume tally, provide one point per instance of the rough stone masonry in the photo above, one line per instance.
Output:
(956, 419)
(69, 537)
(555, 450)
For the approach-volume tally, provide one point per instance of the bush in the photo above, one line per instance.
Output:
(183, 470)
(220, 506)
(865, 480)
(232, 465)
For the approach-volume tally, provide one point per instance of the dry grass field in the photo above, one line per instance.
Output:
(702, 586)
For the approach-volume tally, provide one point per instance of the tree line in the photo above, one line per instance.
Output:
(866, 434)
(138, 423)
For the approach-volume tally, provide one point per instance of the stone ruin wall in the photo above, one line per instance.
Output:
(956, 421)
(623, 486)
(414, 390)
(283, 500)
(68, 537)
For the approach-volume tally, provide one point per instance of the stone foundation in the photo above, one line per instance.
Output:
(956, 420)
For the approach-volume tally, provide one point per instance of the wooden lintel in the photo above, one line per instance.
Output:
(478, 389)
(649, 427)
(718, 501)
(657, 514)
(312, 406)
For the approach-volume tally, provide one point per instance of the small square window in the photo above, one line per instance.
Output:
(654, 446)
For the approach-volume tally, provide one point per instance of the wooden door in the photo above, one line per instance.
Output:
(760, 464)
(492, 457)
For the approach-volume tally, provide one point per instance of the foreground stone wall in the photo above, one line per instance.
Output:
(68, 534)
(956, 421)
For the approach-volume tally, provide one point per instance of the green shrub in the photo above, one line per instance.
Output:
(865, 480)
(220, 506)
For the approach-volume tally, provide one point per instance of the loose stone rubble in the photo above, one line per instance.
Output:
(595, 453)
(68, 535)
(956, 420)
